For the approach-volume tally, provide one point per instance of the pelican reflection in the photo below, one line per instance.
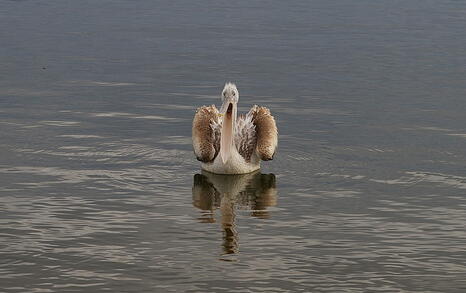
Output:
(254, 192)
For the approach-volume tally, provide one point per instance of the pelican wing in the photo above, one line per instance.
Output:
(245, 136)
(206, 133)
(266, 132)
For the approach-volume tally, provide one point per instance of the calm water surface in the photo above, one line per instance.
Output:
(100, 190)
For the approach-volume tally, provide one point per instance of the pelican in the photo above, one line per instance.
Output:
(227, 144)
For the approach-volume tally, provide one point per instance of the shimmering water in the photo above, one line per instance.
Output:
(100, 191)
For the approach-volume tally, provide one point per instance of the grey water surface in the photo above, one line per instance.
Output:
(100, 190)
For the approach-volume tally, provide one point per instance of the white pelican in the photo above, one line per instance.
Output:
(227, 144)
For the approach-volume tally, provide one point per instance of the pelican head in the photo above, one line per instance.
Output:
(230, 94)
(230, 97)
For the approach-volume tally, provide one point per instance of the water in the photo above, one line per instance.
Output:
(100, 191)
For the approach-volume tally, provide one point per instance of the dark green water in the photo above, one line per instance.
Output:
(100, 190)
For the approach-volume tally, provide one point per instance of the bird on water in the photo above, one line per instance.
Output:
(229, 144)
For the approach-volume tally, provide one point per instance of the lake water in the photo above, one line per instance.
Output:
(100, 190)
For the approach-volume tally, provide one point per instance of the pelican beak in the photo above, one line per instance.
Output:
(227, 134)
(224, 107)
